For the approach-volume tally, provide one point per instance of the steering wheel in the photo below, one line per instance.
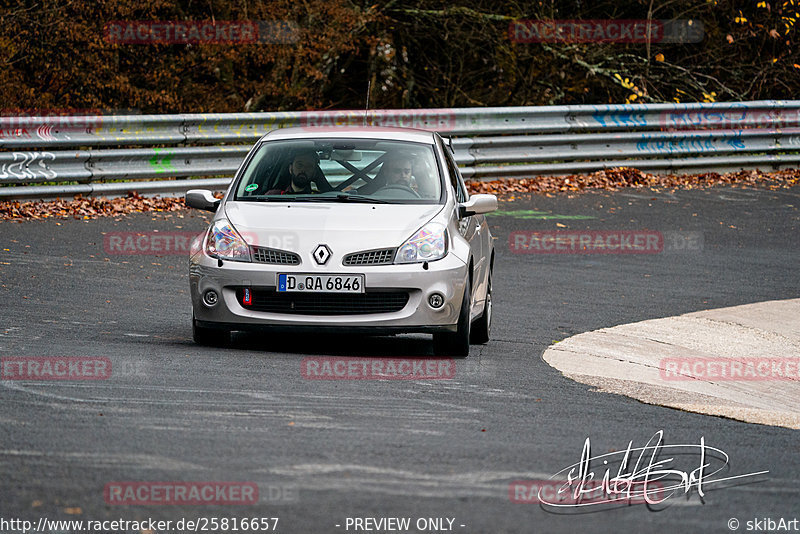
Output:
(398, 187)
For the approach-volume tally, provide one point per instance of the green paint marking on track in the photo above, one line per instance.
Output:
(541, 215)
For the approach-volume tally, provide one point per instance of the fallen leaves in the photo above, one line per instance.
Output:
(613, 179)
(88, 207)
(84, 208)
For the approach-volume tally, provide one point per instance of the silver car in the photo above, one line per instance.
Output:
(363, 230)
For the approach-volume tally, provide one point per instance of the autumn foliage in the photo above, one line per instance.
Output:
(427, 53)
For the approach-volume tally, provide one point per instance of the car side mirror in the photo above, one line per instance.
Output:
(202, 199)
(476, 205)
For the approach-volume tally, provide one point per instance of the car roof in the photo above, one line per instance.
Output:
(352, 132)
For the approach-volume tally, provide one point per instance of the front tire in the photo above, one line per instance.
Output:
(483, 325)
(209, 337)
(456, 344)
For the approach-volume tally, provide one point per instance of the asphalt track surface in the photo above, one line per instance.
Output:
(173, 411)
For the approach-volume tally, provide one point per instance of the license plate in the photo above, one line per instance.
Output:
(321, 283)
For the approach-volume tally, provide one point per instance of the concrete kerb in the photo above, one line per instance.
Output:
(754, 352)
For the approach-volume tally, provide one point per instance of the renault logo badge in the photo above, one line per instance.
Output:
(322, 254)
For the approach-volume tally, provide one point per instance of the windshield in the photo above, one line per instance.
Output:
(337, 170)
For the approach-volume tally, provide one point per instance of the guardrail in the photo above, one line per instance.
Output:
(488, 143)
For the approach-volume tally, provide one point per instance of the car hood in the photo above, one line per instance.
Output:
(344, 227)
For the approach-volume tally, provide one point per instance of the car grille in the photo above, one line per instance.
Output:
(271, 255)
(269, 300)
(370, 257)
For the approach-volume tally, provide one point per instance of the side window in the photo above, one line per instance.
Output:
(455, 176)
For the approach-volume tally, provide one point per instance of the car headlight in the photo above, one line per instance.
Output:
(225, 243)
(428, 244)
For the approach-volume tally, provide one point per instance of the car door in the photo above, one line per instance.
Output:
(469, 227)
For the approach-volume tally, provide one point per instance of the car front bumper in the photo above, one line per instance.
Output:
(446, 276)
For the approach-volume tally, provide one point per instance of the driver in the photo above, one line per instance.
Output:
(398, 172)
(303, 170)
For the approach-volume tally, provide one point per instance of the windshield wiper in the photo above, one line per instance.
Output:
(347, 197)
(341, 197)
(285, 198)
